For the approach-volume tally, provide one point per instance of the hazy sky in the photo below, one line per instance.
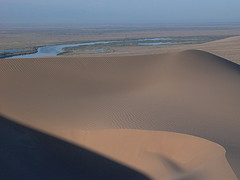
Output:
(82, 12)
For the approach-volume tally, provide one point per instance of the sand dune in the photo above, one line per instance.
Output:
(226, 48)
(191, 92)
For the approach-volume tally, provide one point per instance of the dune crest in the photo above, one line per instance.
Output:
(159, 154)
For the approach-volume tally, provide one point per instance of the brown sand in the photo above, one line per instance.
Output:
(191, 92)
(160, 155)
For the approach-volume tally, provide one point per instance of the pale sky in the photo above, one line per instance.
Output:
(90, 12)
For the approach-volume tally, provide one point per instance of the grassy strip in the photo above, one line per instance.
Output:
(109, 47)
(18, 53)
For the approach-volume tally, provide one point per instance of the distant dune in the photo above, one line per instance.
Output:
(118, 107)
(227, 48)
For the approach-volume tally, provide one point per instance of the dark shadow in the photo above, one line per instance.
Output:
(29, 154)
(233, 157)
(175, 169)
(171, 165)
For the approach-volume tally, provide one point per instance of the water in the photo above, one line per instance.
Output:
(56, 49)
(153, 43)
(154, 39)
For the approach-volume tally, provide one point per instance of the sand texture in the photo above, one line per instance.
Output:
(127, 111)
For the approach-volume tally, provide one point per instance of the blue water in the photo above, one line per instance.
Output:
(153, 43)
(154, 39)
(56, 49)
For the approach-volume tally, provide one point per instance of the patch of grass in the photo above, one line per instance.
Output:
(109, 47)
(18, 53)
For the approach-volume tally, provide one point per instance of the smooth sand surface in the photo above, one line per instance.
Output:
(191, 92)
(160, 155)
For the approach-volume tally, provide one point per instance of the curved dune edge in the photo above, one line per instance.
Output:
(142, 154)
(191, 92)
(159, 154)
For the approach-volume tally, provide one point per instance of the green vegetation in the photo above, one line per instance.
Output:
(17, 53)
(29, 38)
(111, 46)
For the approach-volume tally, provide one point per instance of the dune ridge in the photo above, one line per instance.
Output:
(191, 92)
(159, 154)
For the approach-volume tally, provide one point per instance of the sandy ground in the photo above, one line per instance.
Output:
(80, 99)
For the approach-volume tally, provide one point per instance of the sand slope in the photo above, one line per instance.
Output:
(191, 92)
(160, 155)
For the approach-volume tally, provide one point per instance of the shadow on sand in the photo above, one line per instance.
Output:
(29, 154)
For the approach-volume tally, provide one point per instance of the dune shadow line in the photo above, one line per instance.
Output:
(26, 153)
